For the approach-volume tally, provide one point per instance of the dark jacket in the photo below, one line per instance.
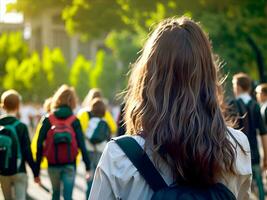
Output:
(62, 112)
(25, 145)
(249, 121)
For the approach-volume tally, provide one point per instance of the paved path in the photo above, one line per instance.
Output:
(35, 192)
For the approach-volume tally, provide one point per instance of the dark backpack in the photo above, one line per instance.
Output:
(98, 130)
(10, 150)
(61, 144)
(246, 113)
(141, 161)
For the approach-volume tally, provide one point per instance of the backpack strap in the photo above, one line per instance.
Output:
(141, 161)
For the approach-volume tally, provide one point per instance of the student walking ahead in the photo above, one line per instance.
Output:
(87, 107)
(97, 135)
(15, 149)
(173, 112)
(59, 139)
(250, 121)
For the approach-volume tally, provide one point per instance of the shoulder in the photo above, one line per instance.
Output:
(22, 125)
(242, 157)
(240, 137)
(112, 149)
(114, 161)
(45, 123)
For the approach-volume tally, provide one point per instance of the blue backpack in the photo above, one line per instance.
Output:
(10, 149)
(162, 191)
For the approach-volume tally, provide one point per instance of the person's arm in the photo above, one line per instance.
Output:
(81, 143)
(101, 188)
(41, 138)
(26, 146)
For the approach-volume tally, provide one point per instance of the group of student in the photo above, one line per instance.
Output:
(180, 143)
(58, 138)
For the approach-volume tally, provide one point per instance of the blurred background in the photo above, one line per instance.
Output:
(90, 43)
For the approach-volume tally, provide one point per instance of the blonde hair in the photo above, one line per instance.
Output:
(64, 96)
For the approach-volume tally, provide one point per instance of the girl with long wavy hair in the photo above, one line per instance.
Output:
(174, 111)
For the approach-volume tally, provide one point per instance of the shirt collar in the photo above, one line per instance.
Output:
(245, 97)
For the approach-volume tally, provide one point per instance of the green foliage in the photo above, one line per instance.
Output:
(27, 77)
(105, 74)
(10, 80)
(79, 76)
(124, 47)
(11, 45)
(96, 17)
(55, 67)
(35, 78)
(123, 24)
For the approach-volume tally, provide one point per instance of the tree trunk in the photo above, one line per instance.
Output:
(259, 59)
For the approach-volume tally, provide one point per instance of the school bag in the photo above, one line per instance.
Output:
(98, 130)
(246, 112)
(61, 144)
(162, 191)
(10, 150)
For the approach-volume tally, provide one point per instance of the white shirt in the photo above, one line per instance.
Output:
(245, 97)
(117, 178)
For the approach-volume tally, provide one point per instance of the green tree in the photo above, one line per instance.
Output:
(79, 76)
(27, 77)
(55, 67)
(13, 47)
(36, 78)
(104, 75)
(238, 29)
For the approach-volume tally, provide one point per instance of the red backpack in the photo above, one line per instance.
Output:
(61, 144)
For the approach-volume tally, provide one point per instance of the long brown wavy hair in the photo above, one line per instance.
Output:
(174, 98)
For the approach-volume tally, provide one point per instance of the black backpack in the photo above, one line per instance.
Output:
(246, 113)
(141, 161)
